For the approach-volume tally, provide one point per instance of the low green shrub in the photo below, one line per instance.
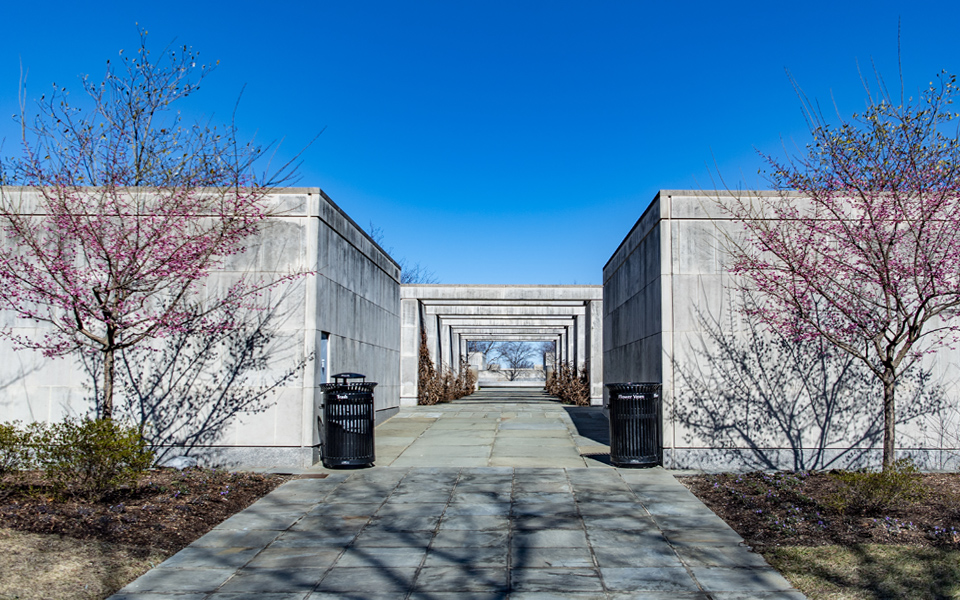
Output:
(90, 457)
(873, 492)
(14, 448)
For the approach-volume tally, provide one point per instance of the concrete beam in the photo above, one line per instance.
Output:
(513, 302)
(511, 337)
(506, 311)
(507, 322)
(485, 293)
(492, 335)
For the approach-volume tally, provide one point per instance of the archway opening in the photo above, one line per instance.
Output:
(511, 362)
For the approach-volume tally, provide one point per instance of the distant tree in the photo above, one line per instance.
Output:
(128, 210)
(415, 273)
(546, 350)
(487, 348)
(861, 245)
(515, 357)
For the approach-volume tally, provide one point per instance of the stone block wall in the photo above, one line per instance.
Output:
(353, 298)
(735, 395)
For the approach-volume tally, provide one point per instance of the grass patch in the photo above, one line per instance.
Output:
(39, 566)
(869, 571)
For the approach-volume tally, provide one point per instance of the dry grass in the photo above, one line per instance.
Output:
(42, 566)
(869, 571)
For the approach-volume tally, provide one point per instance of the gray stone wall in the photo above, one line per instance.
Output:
(634, 303)
(737, 396)
(358, 303)
(354, 297)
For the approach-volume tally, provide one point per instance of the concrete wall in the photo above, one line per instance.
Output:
(354, 297)
(737, 396)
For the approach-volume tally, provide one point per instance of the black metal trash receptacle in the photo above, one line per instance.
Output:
(347, 422)
(635, 431)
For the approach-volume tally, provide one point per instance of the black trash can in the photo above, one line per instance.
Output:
(347, 422)
(635, 432)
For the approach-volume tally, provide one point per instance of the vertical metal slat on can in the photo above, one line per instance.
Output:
(348, 423)
(635, 432)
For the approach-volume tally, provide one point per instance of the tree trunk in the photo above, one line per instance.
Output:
(106, 411)
(889, 419)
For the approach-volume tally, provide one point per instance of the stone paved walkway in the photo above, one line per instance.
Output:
(513, 532)
(496, 428)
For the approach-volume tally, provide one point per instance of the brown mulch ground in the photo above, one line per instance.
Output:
(798, 509)
(167, 510)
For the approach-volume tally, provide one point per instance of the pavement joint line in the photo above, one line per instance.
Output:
(551, 509)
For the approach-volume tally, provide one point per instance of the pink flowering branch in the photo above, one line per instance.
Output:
(125, 214)
(860, 245)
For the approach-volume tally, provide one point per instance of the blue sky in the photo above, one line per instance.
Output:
(502, 142)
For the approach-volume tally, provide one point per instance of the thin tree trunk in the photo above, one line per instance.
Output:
(889, 420)
(106, 411)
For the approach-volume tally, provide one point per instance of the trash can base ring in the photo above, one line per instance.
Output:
(346, 464)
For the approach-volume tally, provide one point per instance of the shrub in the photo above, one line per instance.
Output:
(469, 379)
(436, 385)
(14, 448)
(90, 458)
(872, 492)
(572, 388)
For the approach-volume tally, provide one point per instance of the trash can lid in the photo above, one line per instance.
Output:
(349, 376)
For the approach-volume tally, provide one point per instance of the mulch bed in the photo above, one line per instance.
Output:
(168, 509)
(797, 509)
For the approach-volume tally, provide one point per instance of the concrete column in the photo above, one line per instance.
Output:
(549, 360)
(446, 344)
(409, 350)
(580, 348)
(310, 399)
(463, 349)
(595, 350)
(454, 349)
(430, 325)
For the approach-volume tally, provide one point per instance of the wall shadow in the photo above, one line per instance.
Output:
(18, 377)
(751, 397)
(186, 389)
(590, 422)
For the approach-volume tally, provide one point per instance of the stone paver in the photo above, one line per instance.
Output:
(534, 521)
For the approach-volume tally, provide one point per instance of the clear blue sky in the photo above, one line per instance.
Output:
(502, 142)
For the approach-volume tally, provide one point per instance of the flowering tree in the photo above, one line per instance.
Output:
(125, 212)
(860, 246)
